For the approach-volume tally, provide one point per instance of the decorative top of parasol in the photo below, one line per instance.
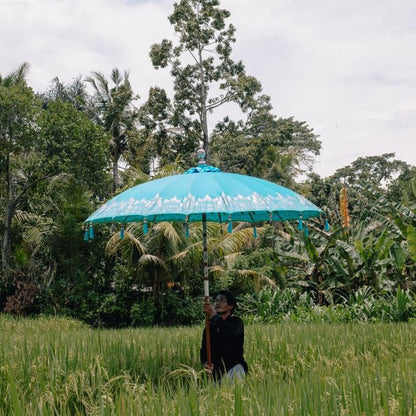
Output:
(201, 156)
(202, 164)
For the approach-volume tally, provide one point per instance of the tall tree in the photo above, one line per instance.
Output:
(74, 145)
(277, 149)
(168, 133)
(115, 112)
(376, 171)
(74, 155)
(19, 160)
(204, 74)
(384, 174)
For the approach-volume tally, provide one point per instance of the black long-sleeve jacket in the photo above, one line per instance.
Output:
(227, 344)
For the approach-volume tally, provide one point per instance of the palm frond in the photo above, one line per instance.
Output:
(217, 269)
(192, 252)
(22, 217)
(294, 255)
(231, 258)
(100, 85)
(236, 241)
(168, 232)
(151, 259)
(17, 77)
(116, 77)
(128, 243)
(257, 277)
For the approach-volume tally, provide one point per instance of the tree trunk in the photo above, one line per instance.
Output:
(203, 110)
(115, 175)
(115, 156)
(205, 137)
(7, 242)
(8, 216)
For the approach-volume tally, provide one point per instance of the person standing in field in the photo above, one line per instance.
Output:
(227, 338)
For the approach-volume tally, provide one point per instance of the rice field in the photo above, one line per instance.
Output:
(55, 366)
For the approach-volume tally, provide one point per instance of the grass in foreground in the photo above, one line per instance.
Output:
(57, 366)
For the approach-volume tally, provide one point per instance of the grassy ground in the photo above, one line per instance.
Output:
(58, 366)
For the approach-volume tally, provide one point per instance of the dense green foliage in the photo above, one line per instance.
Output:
(61, 154)
(62, 367)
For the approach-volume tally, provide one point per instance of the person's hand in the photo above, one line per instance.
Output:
(209, 367)
(209, 309)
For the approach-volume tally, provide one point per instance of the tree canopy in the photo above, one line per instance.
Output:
(204, 74)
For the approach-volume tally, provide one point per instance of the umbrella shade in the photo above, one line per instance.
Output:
(206, 190)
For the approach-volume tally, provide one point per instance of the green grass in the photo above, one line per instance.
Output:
(57, 366)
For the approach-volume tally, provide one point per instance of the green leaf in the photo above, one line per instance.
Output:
(411, 240)
(399, 256)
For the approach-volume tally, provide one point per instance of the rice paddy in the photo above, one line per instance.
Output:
(56, 366)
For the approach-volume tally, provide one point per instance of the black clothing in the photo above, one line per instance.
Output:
(227, 340)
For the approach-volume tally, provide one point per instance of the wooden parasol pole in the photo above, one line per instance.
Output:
(206, 287)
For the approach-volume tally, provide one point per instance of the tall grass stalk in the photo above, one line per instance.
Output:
(52, 366)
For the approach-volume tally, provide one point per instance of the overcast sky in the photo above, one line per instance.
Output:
(346, 67)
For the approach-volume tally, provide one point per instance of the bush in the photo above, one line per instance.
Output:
(175, 308)
(143, 313)
(290, 305)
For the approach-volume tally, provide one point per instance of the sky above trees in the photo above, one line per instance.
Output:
(347, 68)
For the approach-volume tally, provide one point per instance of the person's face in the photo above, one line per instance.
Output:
(221, 306)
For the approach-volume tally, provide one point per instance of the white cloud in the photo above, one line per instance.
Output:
(347, 68)
(67, 38)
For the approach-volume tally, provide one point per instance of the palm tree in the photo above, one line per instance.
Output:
(17, 77)
(114, 110)
(150, 254)
(165, 255)
(74, 93)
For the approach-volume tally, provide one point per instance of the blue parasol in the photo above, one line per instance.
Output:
(205, 193)
(206, 190)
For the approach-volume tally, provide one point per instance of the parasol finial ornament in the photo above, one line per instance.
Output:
(201, 156)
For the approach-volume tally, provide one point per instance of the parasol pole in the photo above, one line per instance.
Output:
(206, 287)
(201, 163)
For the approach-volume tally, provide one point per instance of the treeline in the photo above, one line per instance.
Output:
(65, 151)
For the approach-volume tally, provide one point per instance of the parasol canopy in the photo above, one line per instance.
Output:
(206, 190)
